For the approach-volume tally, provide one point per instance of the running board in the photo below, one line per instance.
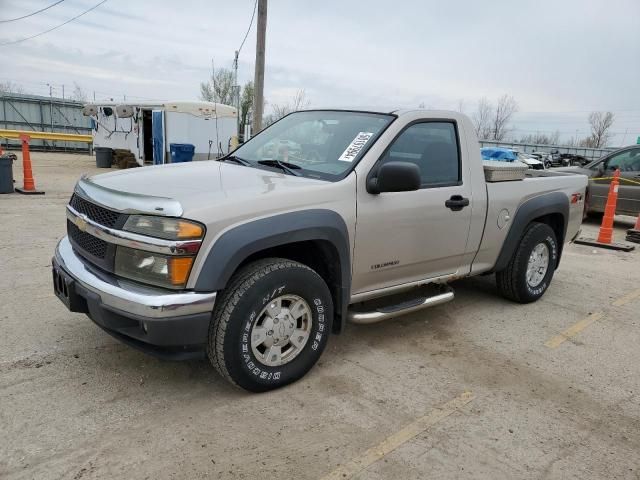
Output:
(391, 311)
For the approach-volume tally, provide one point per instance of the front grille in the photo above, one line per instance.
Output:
(98, 214)
(90, 244)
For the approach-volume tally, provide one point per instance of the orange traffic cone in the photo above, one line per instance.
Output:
(606, 228)
(29, 184)
(605, 235)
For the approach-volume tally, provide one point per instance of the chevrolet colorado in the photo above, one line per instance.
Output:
(325, 216)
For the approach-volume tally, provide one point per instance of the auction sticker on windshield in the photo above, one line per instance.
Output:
(355, 146)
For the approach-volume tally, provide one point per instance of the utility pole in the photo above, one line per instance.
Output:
(237, 89)
(258, 82)
(63, 91)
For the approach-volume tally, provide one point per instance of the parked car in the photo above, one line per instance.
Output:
(255, 261)
(531, 161)
(572, 159)
(556, 159)
(627, 159)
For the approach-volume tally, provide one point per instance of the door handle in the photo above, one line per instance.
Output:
(456, 203)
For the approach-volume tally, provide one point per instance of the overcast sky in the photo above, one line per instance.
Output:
(560, 59)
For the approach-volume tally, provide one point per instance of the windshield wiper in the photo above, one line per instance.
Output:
(234, 158)
(284, 166)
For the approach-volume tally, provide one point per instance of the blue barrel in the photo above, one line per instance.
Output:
(181, 152)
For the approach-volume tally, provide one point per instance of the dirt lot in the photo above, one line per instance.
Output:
(477, 388)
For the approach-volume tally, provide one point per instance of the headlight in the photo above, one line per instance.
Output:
(164, 227)
(152, 268)
(166, 271)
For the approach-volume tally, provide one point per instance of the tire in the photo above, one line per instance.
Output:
(512, 282)
(243, 309)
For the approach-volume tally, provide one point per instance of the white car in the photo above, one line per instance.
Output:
(531, 160)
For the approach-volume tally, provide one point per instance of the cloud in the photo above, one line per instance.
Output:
(562, 57)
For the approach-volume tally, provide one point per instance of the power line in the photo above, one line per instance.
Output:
(250, 25)
(32, 14)
(54, 28)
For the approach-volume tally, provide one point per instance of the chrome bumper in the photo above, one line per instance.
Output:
(128, 296)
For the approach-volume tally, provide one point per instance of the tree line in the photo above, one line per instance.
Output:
(492, 122)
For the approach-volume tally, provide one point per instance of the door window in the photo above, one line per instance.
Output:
(433, 147)
(628, 161)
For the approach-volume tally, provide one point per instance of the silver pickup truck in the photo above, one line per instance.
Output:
(325, 217)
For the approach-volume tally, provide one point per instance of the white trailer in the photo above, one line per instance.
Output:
(148, 129)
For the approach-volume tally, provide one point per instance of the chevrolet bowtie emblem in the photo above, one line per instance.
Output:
(81, 223)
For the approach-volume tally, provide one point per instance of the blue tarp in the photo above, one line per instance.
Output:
(498, 154)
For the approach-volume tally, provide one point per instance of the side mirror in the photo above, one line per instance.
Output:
(395, 177)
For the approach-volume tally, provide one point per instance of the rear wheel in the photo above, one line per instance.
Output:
(531, 268)
(271, 324)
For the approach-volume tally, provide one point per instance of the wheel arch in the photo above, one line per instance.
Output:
(551, 209)
(317, 238)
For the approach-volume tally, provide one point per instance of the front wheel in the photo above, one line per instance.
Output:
(271, 324)
(530, 270)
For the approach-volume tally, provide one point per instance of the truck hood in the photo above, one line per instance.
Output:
(210, 190)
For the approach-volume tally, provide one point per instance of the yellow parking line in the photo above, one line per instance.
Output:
(573, 330)
(627, 298)
(392, 442)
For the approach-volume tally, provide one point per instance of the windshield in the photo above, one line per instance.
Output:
(323, 144)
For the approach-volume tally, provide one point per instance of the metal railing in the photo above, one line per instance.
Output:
(44, 114)
(588, 153)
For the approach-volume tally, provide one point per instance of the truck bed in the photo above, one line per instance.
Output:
(504, 199)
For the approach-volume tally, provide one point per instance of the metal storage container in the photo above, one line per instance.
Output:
(503, 171)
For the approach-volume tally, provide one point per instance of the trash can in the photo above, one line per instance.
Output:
(6, 174)
(181, 152)
(104, 157)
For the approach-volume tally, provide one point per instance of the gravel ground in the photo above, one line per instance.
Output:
(385, 401)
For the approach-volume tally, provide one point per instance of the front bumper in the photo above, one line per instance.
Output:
(167, 324)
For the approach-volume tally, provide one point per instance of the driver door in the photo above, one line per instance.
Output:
(402, 237)
(628, 161)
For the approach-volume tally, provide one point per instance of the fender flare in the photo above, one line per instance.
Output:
(237, 244)
(549, 203)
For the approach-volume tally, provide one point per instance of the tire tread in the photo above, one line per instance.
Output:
(506, 280)
(239, 284)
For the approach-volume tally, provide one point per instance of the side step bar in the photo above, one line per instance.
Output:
(392, 311)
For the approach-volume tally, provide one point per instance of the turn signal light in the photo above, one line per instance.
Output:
(179, 268)
(189, 230)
